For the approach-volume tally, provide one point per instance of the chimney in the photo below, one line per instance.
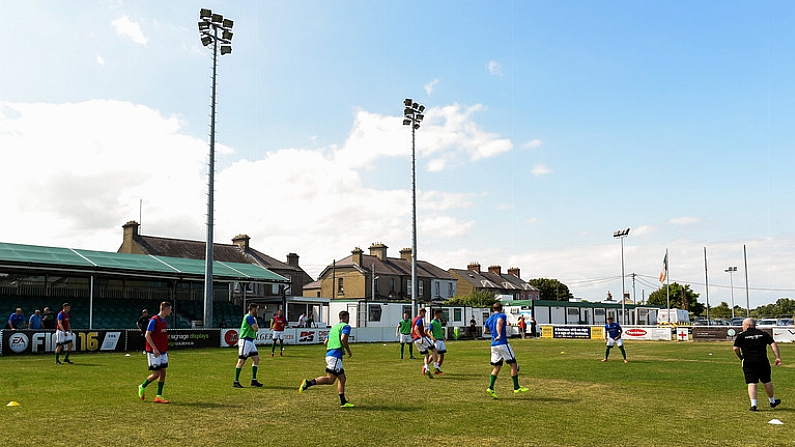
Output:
(378, 250)
(130, 234)
(474, 266)
(241, 240)
(405, 254)
(514, 271)
(496, 269)
(357, 256)
(292, 259)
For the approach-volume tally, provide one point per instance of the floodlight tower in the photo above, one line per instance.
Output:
(216, 30)
(412, 116)
(621, 234)
(731, 271)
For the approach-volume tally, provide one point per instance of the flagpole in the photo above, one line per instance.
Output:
(667, 288)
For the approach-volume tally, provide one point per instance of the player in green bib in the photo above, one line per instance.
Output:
(246, 346)
(403, 332)
(436, 331)
(336, 346)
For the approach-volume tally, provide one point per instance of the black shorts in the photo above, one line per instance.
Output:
(756, 372)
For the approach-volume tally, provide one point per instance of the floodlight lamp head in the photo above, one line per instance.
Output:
(226, 49)
(218, 18)
(419, 117)
(416, 126)
(406, 122)
(422, 108)
(206, 40)
(204, 25)
(407, 102)
(408, 112)
(228, 24)
(205, 13)
(415, 106)
(227, 35)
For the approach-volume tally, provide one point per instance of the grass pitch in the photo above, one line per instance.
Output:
(670, 394)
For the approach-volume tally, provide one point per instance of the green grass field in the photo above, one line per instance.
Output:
(670, 394)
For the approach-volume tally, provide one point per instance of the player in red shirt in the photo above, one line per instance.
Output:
(63, 334)
(157, 352)
(279, 323)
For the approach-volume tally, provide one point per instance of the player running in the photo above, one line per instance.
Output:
(424, 343)
(336, 342)
(501, 350)
(436, 331)
(157, 352)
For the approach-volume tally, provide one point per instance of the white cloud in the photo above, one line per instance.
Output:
(125, 27)
(540, 169)
(100, 61)
(532, 220)
(684, 220)
(494, 68)
(430, 86)
(532, 144)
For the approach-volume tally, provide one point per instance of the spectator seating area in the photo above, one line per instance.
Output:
(121, 313)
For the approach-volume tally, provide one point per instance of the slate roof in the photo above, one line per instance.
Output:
(393, 266)
(492, 281)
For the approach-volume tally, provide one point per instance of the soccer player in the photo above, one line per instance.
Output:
(63, 334)
(436, 331)
(613, 337)
(246, 347)
(423, 343)
(278, 324)
(336, 342)
(403, 332)
(751, 347)
(157, 352)
(501, 350)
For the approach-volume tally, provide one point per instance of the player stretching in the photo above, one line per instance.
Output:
(403, 332)
(246, 347)
(335, 343)
(436, 331)
(63, 334)
(424, 343)
(613, 337)
(157, 352)
(279, 322)
(501, 350)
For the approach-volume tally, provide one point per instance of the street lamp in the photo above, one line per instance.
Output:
(216, 30)
(731, 271)
(412, 116)
(621, 234)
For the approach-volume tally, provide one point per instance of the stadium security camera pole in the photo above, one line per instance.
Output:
(214, 29)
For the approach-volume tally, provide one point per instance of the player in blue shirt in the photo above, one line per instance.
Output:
(497, 324)
(613, 337)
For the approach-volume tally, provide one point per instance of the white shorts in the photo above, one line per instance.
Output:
(405, 338)
(440, 348)
(502, 353)
(159, 362)
(246, 349)
(334, 365)
(278, 335)
(63, 338)
(611, 341)
(423, 344)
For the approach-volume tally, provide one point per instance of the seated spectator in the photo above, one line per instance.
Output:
(35, 320)
(16, 320)
(48, 319)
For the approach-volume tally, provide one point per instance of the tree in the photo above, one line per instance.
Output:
(721, 311)
(783, 307)
(477, 298)
(677, 292)
(551, 289)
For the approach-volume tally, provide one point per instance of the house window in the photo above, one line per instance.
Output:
(419, 286)
(408, 287)
(438, 288)
(391, 285)
(340, 290)
(374, 312)
(457, 315)
(450, 289)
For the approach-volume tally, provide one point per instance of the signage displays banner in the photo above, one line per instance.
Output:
(571, 332)
(194, 338)
(42, 341)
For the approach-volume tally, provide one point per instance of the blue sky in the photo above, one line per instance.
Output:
(549, 126)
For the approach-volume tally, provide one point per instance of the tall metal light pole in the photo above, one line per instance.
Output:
(412, 116)
(216, 30)
(621, 234)
(731, 271)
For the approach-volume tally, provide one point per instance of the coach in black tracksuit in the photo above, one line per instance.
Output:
(751, 347)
